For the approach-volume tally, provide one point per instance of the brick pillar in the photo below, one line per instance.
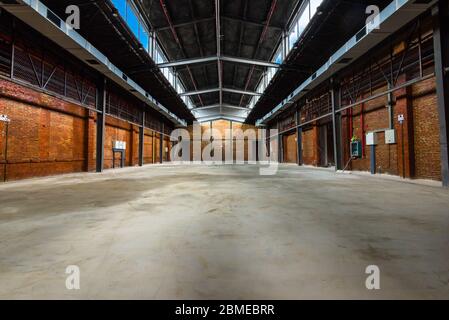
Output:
(91, 140)
(345, 139)
(134, 145)
(405, 136)
(316, 144)
(298, 139)
(3, 164)
(440, 13)
(153, 146)
(136, 142)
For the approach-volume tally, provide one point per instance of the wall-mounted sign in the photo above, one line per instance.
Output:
(390, 136)
(119, 145)
(401, 118)
(4, 118)
(371, 139)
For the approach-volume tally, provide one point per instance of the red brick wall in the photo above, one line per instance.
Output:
(91, 140)
(426, 129)
(420, 144)
(421, 134)
(148, 147)
(157, 148)
(117, 130)
(167, 149)
(375, 117)
(310, 150)
(290, 148)
(46, 135)
(221, 126)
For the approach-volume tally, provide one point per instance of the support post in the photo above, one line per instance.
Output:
(280, 146)
(13, 48)
(373, 159)
(101, 122)
(336, 126)
(161, 145)
(141, 139)
(298, 138)
(5, 151)
(257, 150)
(441, 47)
(268, 142)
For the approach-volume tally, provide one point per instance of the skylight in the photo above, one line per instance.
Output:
(307, 11)
(149, 42)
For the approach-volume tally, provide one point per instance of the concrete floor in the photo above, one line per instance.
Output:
(196, 232)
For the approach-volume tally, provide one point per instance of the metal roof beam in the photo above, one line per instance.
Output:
(222, 58)
(253, 23)
(250, 62)
(185, 24)
(227, 106)
(192, 93)
(187, 62)
(222, 116)
(210, 19)
(243, 92)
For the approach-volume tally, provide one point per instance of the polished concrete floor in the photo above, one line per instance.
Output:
(197, 232)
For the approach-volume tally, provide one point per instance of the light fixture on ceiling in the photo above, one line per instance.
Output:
(319, 11)
(115, 12)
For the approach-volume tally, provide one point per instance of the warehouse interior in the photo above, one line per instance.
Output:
(136, 138)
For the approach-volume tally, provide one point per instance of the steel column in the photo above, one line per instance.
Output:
(298, 138)
(336, 127)
(257, 150)
(101, 122)
(153, 147)
(13, 50)
(5, 151)
(219, 63)
(161, 144)
(268, 142)
(373, 159)
(141, 139)
(280, 144)
(441, 47)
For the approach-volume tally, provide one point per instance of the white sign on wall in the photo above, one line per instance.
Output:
(4, 118)
(120, 145)
(371, 139)
(390, 136)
